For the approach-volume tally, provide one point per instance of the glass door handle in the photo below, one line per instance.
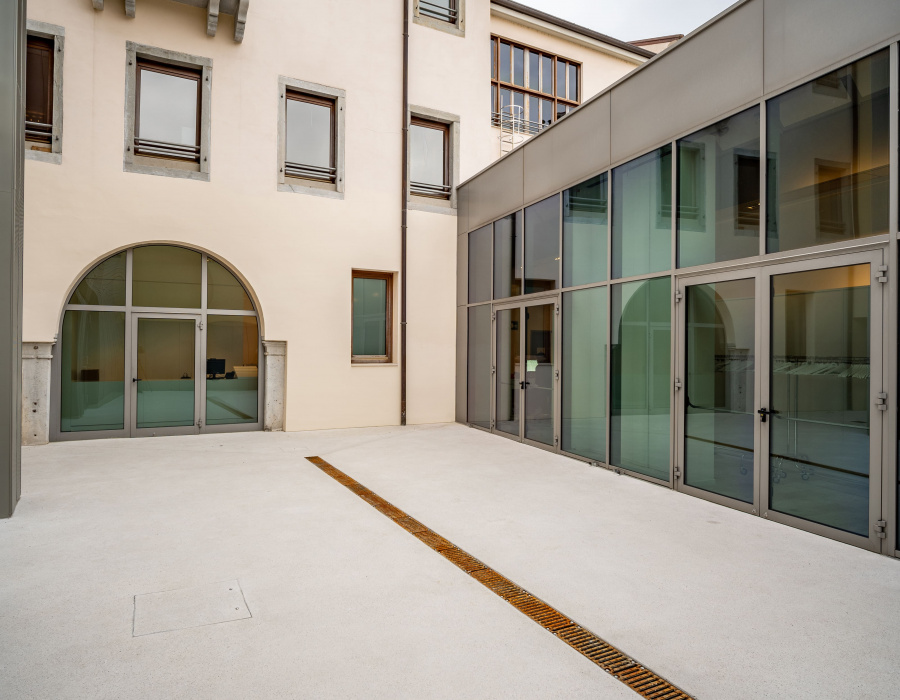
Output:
(763, 412)
(135, 379)
(523, 384)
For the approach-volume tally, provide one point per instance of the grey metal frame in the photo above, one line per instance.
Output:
(131, 313)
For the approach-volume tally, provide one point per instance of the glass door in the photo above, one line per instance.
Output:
(526, 372)
(716, 402)
(820, 411)
(165, 390)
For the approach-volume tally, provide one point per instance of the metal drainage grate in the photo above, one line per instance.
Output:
(642, 680)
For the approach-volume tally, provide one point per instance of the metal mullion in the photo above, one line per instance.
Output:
(610, 212)
(763, 177)
(201, 350)
(228, 312)
(673, 309)
(890, 507)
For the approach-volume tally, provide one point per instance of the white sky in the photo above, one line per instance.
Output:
(630, 20)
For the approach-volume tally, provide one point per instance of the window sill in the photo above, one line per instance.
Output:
(317, 189)
(144, 165)
(456, 28)
(374, 364)
(41, 152)
(432, 205)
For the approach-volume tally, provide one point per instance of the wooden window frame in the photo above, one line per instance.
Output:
(556, 100)
(41, 132)
(179, 153)
(445, 132)
(331, 103)
(388, 277)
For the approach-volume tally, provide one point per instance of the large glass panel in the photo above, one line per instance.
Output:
(640, 384)
(546, 75)
(166, 276)
(584, 373)
(534, 110)
(308, 134)
(518, 66)
(168, 108)
(642, 215)
(819, 434)
(426, 162)
(504, 62)
(542, 245)
(508, 256)
(369, 316)
(480, 245)
(540, 362)
(224, 291)
(584, 232)
(573, 82)
(718, 393)
(92, 371)
(534, 70)
(508, 371)
(479, 366)
(104, 285)
(828, 145)
(546, 112)
(518, 99)
(165, 372)
(718, 191)
(560, 78)
(232, 370)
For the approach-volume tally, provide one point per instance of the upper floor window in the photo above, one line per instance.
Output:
(444, 15)
(309, 139)
(43, 92)
(531, 87)
(167, 119)
(429, 162)
(444, 10)
(372, 328)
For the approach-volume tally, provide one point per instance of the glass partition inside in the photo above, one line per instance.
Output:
(166, 276)
(640, 377)
(480, 246)
(232, 370)
(478, 377)
(828, 146)
(508, 256)
(718, 191)
(584, 232)
(642, 215)
(583, 382)
(542, 246)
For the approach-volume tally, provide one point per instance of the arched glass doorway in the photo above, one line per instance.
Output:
(157, 340)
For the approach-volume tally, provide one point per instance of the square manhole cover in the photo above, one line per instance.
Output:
(180, 609)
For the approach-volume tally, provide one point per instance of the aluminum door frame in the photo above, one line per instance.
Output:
(877, 376)
(678, 482)
(198, 385)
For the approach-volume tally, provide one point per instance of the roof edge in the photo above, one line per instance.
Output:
(657, 39)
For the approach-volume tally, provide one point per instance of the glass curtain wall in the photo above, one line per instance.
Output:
(584, 232)
(478, 408)
(508, 256)
(542, 246)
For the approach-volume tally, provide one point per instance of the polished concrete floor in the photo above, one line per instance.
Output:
(342, 603)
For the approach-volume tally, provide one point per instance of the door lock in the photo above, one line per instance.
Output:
(763, 412)
(523, 384)
(135, 379)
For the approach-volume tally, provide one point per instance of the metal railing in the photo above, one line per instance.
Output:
(310, 172)
(179, 151)
(508, 120)
(426, 190)
(446, 14)
(36, 131)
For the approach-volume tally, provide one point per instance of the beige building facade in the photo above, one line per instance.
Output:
(292, 243)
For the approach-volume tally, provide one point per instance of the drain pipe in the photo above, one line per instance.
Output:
(404, 169)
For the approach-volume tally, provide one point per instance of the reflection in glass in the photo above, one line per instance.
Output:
(718, 191)
(479, 366)
(828, 144)
(534, 70)
(232, 370)
(493, 58)
(165, 372)
(542, 245)
(168, 108)
(546, 75)
(480, 245)
(518, 66)
(560, 78)
(92, 371)
(642, 215)
(369, 316)
(508, 371)
(584, 232)
(104, 285)
(39, 87)
(223, 289)
(584, 373)
(504, 62)
(573, 82)
(308, 133)
(508, 256)
(640, 384)
(426, 157)
(166, 276)
(718, 393)
(819, 434)
(546, 112)
(540, 362)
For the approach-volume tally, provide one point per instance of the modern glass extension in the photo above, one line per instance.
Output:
(157, 340)
(701, 318)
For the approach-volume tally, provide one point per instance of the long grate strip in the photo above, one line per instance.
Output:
(640, 679)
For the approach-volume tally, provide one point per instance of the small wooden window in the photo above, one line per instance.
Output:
(167, 111)
(372, 325)
(39, 90)
(309, 137)
(429, 158)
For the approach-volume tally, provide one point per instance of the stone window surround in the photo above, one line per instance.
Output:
(58, 34)
(334, 190)
(135, 51)
(430, 204)
(456, 29)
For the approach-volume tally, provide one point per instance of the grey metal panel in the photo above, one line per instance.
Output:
(462, 209)
(804, 37)
(462, 339)
(578, 147)
(462, 269)
(713, 72)
(496, 191)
